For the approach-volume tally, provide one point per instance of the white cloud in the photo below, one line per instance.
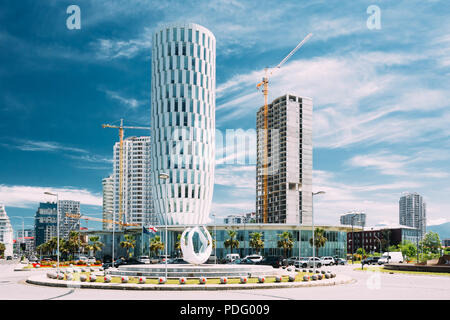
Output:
(30, 196)
(128, 102)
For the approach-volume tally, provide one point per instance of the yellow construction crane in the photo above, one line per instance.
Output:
(121, 131)
(265, 84)
(79, 216)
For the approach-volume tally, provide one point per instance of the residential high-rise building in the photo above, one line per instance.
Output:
(355, 218)
(412, 212)
(108, 201)
(137, 206)
(6, 232)
(68, 223)
(45, 222)
(289, 154)
(183, 122)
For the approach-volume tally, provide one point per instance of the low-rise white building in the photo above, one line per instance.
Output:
(6, 232)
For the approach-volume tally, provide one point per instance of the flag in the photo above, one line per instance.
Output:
(150, 230)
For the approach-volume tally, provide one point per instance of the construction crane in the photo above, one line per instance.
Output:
(121, 131)
(79, 216)
(265, 90)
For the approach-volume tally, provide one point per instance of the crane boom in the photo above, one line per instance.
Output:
(265, 84)
(77, 216)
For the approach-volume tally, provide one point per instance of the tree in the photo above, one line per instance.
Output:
(319, 239)
(74, 242)
(256, 241)
(128, 243)
(408, 249)
(2, 249)
(156, 244)
(431, 242)
(231, 242)
(285, 242)
(96, 245)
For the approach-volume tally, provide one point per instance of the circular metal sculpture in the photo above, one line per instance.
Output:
(187, 245)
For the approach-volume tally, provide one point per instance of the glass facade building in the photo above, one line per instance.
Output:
(336, 244)
(183, 122)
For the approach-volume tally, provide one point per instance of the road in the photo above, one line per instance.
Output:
(368, 286)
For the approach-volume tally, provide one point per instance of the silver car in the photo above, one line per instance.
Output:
(308, 262)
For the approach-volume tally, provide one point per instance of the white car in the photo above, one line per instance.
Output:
(91, 260)
(231, 257)
(308, 263)
(144, 259)
(254, 257)
(328, 261)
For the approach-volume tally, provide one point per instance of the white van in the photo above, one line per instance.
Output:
(231, 257)
(391, 257)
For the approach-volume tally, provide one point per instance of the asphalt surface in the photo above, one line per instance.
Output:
(368, 286)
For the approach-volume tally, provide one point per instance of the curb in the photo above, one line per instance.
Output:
(44, 281)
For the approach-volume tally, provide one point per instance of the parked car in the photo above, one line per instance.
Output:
(231, 257)
(176, 261)
(391, 257)
(117, 263)
(274, 261)
(144, 259)
(308, 262)
(162, 258)
(371, 260)
(33, 259)
(9, 257)
(340, 261)
(91, 260)
(328, 261)
(290, 261)
(82, 258)
(212, 260)
(254, 257)
(243, 261)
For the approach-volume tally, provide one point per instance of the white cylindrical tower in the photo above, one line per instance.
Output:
(183, 122)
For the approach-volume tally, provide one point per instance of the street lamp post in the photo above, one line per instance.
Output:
(215, 239)
(165, 176)
(312, 218)
(57, 227)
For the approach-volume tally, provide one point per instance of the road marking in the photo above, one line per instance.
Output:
(62, 295)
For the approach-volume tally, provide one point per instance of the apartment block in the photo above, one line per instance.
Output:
(289, 161)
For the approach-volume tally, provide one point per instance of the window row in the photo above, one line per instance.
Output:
(183, 34)
(183, 49)
(187, 77)
(182, 105)
(183, 119)
(184, 63)
(183, 91)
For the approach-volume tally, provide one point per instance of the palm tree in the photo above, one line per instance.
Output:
(96, 245)
(156, 244)
(74, 242)
(128, 243)
(2, 249)
(178, 245)
(256, 241)
(231, 242)
(319, 239)
(286, 242)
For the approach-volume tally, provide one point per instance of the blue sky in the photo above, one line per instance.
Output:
(381, 97)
